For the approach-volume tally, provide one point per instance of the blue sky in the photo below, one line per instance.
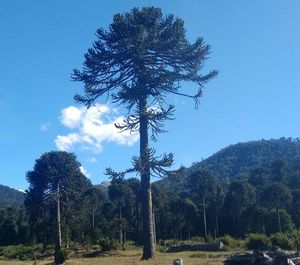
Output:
(255, 46)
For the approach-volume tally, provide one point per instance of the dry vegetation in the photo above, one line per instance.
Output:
(133, 258)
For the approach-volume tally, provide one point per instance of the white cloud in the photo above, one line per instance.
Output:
(84, 172)
(45, 126)
(91, 128)
(91, 159)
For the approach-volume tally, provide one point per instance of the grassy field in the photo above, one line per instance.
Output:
(133, 258)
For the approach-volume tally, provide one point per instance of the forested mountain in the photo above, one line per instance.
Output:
(246, 188)
(240, 159)
(9, 196)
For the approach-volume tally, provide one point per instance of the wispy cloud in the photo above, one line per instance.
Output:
(45, 126)
(91, 159)
(91, 128)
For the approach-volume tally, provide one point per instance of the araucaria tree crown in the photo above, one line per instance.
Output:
(136, 63)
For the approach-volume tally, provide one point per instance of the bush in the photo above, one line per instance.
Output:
(230, 242)
(257, 241)
(296, 239)
(22, 252)
(107, 244)
(197, 239)
(282, 240)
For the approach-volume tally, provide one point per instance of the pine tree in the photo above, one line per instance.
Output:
(137, 62)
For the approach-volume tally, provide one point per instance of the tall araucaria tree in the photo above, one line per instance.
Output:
(55, 184)
(136, 63)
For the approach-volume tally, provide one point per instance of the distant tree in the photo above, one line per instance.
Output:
(54, 183)
(239, 198)
(277, 195)
(203, 187)
(94, 197)
(135, 185)
(295, 207)
(120, 193)
(139, 61)
(217, 204)
(190, 211)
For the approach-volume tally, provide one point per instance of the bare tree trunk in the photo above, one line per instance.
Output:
(137, 229)
(204, 220)
(154, 226)
(279, 219)
(93, 216)
(68, 237)
(120, 226)
(58, 259)
(148, 235)
(217, 224)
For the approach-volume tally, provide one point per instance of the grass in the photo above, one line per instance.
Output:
(132, 257)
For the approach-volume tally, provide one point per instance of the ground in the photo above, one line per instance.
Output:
(133, 258)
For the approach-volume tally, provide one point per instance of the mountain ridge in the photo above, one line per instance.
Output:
(10, 196)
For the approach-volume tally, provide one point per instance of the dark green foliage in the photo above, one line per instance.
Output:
(22, 252)
(282, 240)
(249, 204)
(230, 242)
(14, 227)
(107, 244)
(258, 241)
(55, 193)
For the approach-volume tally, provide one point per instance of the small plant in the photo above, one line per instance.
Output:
(230, 242)
(258, 241)
(282, 240)
(107, 244)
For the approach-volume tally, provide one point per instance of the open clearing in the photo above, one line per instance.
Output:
(133, 257)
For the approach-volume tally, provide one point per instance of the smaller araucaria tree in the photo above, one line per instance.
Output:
(54, 186)
(137, 63)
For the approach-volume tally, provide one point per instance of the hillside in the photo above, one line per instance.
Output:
(9, 196)
(241, 158)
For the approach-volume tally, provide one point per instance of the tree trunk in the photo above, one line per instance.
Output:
(137, 228)
(120, 225)
(204, 220)
(93, 216)
(58, 257)
(154, 226)
(279, 219)
(148, 235)
(217, 225)
(68, 237)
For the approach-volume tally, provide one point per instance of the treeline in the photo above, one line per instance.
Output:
(267, 200)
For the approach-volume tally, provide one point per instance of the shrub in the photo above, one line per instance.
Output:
(230, 242)
(296, 239)
(107, 244)
(197, 239)
(282, 240)
(22, 252)
(258, 241)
